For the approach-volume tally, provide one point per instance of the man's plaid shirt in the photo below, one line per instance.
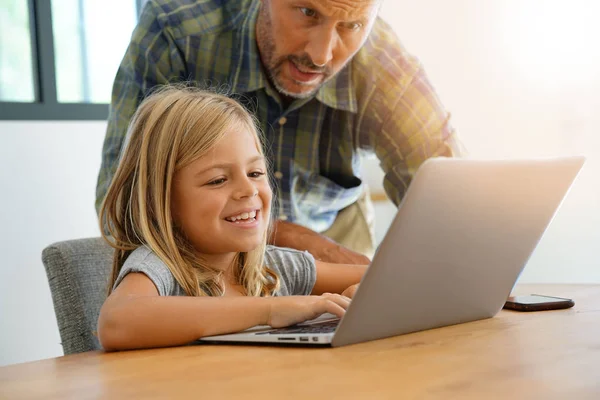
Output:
(381, 101)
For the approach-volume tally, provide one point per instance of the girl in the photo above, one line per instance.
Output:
(188, 214)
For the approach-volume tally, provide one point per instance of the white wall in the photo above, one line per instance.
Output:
(522, 79)
(510, 97)
(47, 173)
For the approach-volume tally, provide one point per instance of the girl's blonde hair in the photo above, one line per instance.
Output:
(171, 128)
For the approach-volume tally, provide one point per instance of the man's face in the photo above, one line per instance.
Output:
(303, 43)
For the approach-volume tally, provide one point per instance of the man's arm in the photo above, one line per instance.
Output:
(417, 128)
(148, 61)
(287, 234)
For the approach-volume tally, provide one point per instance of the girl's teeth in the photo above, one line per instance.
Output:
(251, 214)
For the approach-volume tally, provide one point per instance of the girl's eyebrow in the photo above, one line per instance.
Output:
(251, 160)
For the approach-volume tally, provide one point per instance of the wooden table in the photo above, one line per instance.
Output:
(543, 355)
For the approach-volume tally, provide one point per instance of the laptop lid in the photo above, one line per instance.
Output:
(460, 239)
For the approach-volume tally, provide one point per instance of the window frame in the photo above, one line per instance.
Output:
(46, 105)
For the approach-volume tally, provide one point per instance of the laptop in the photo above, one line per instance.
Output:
(460, 239)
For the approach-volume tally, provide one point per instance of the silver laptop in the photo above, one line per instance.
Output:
(458, 243)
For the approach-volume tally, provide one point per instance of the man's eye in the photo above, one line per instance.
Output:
(354, 26)
(217, 181)
(309, 12)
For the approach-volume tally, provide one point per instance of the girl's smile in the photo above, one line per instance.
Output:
(246, 219)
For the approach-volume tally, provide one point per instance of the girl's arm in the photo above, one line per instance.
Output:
(336, 278)
(135, 316)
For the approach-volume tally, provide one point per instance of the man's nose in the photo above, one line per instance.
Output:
(321, 45)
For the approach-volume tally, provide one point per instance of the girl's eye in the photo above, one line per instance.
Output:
(217, 182)
(309, 12)
(256, 174)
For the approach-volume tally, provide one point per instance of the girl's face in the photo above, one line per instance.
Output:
(222, 201)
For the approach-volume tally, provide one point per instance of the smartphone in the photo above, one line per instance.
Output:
(536, 302)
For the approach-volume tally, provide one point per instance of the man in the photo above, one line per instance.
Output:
(325, 79)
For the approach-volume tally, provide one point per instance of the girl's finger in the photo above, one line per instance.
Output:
(333, 308)
(342, 301)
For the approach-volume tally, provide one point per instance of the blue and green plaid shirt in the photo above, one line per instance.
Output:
(381, 101)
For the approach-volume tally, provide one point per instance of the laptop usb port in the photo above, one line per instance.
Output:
(303, 339)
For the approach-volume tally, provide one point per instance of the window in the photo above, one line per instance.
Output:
(58, 58)
(16, 64)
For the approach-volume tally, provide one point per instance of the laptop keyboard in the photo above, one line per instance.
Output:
(323, 327)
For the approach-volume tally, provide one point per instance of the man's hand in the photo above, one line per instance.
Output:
(287, 234)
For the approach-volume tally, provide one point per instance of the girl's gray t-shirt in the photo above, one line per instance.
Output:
(296, 271)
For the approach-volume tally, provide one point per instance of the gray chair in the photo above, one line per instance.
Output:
(78, 273)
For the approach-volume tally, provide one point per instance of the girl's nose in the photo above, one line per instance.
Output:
(246, 189)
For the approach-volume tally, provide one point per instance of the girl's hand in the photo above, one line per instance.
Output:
(350, 290)
(290, 310)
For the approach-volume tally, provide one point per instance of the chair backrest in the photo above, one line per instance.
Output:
(78, 273)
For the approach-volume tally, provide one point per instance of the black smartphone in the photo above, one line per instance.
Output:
(536, 302)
